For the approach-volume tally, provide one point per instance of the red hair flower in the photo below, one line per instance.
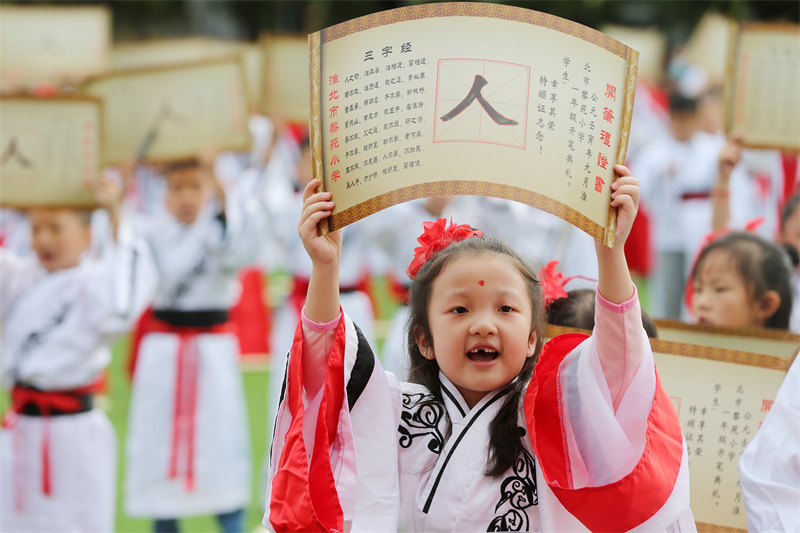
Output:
(553, 282)
(437, 236)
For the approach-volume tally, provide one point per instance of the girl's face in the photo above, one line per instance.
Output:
(480, 320)
(721, 296)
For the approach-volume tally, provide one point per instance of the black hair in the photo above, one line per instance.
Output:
(763, 265)
(788, 210)
(679, 103)
(505, 440)
(577, 311)
(180, 164)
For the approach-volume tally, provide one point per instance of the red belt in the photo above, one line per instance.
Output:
(702, 195)
(183, 421)
(47, 402)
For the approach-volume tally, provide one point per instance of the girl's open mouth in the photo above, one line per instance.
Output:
(483, 355)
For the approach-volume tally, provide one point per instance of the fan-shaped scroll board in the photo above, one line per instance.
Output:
(48, 149)
(480, 99)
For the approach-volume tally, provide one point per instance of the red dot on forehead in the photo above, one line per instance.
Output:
(481, 282)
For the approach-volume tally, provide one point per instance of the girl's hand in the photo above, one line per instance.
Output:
(625, 196)
(614, 278)
(324, 250)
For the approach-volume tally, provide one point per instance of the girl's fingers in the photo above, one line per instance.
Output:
(622, 170)
(311, 186)
(315, 208)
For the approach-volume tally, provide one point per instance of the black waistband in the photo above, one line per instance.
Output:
(31, 409)
(192, 319)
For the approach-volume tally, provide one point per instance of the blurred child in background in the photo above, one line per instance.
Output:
(61, 308)
(188, 446)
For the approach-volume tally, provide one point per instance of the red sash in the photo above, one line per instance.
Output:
(64, 401)
(183, 420)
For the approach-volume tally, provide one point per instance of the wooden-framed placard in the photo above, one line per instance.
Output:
(285, 81)
(52, 44)
(721, 395)
(762, 97)
(167, 113)
(177, 50)
(48, 149)
(470, 98)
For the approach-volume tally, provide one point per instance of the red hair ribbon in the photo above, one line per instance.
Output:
(553, 282)
(437, 236)
(688, 292)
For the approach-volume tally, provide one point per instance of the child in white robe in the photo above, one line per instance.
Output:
(188, 447)
(477, 441)
(61, 308)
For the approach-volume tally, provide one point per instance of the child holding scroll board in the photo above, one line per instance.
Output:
(188, 448)
(61, 308)
(479, 440)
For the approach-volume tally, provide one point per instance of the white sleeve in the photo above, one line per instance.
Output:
(124, 282)
(16, 273)
(769, 469)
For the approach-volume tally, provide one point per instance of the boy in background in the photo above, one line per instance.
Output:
(61, 308)
(188, 446)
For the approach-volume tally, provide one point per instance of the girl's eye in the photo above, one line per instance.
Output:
(458, 310)
(720, 289)
(506, 309)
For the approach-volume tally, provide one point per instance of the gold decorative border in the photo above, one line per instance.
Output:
(469, 9)
(754, 332)
(631, 70)
(703, 527)
(473, 188)
(698, 351)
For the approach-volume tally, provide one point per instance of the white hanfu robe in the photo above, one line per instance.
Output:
(56, 330)
(603, 449)
(769, 469)
(190, 455)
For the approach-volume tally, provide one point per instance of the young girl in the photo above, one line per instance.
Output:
(477, 441)
(741, 280)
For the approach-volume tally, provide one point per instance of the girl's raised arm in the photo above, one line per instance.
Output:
(615, 282)
(325, 251)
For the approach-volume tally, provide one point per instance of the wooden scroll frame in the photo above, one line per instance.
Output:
(59, 183)
(375, 197)
(741, 109)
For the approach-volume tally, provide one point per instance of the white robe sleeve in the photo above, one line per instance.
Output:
(16, 274)
(124, 282)
(242, 233)
(769, 469)
(317, 481)
(605, 433)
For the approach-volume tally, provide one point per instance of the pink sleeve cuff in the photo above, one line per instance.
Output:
(618, 308)
(320, 327)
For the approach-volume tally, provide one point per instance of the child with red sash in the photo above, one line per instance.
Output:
(478, 439)
(188, 447)
(61, 308)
